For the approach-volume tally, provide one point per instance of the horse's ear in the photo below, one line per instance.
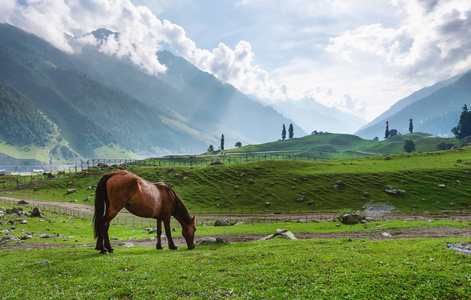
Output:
(194, 219)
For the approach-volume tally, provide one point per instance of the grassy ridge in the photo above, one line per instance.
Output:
(248, 187)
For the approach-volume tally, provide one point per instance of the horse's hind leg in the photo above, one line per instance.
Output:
(168, 233)
(110, 214)
(159, 233)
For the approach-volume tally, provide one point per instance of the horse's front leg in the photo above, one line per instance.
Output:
(168, 233)
(159, 233)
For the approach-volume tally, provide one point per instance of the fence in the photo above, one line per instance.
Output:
(191, 161)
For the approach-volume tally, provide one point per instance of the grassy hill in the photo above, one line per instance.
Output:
(274, 186)
(340, 146)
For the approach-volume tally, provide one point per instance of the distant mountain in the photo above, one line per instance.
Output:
(97, 102)
(435, 109)
(310, 115)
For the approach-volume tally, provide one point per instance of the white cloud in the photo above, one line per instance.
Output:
(434, 38)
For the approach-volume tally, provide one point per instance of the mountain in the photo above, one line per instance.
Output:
(310, 115)
(435, 109)
(101, 104)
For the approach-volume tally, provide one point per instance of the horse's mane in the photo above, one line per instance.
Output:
(180, 207)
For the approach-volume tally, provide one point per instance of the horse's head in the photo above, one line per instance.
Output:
(188, 232)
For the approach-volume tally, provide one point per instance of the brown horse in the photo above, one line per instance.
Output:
(144, 199)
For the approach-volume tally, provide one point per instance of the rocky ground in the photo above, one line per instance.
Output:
(439, 232)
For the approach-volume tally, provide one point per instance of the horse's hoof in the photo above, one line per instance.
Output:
(111, 251)
(103, 252)
(159, 248)
(173, 248)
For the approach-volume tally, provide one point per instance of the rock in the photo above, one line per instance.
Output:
(2, 223)
(23, 222)
(210, 240)
(303, 178)
(70, 191)
(280, 232)
(366, 195)
(222, 222)
(37, 213)
(393, 191)
(351, 219)
(339, 183)
(267, 203)
(44, 236)
(310, 202)
(336, 187)
(27, 237)
(44, 262)
(73, 200)
(385, 234)
(23, 202)
(126, 244)
(87, 199)
(300, 198)
(250, 181)
(237, 223)
(369, 219)
(442, 186)
(8, 238)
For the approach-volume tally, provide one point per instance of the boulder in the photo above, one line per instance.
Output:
(23, 202)
(37, 213)
(8, 238)
(70, 191)
(222, 222)
(351, 219)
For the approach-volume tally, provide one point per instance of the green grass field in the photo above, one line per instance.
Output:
(248, 187)
(273, 269)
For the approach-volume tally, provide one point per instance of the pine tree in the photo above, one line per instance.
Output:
(386, 134)
(411, 126)
(222, 142)
(283, 133)
(290, 131)
(463, 129)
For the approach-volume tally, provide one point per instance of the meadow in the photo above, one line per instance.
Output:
(340, 268)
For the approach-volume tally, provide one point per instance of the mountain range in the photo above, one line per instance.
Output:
(435, 110)
(89, 104)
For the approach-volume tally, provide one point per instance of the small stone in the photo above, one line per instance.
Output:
(43, 262)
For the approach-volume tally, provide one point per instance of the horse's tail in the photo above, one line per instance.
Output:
(101, 199)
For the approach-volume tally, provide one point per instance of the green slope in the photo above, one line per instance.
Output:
(247, 187)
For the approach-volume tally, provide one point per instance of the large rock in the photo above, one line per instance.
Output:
(8, 238)
(222, 222)
(210, 240)
(37, 213)
(351, 219)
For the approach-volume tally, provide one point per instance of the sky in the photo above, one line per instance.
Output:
(358, 56)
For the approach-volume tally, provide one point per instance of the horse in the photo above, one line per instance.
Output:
(123, 189)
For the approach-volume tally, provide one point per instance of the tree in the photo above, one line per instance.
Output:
(290, 131)
(283, 133)
(211, 148)
(463, 129)
(238, 144)
(222, 142)
(411, 126)
(409, 146)
(376, 138)
(387, 134)
(393, 132)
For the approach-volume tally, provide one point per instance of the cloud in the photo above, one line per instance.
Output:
(433, 38)
(140, 34)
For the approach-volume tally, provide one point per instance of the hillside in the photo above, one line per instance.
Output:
(338, 146)
(182, 111)
(248, 187)
(435, 110)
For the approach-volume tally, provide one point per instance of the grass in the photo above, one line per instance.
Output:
(278, 268)
(281, 269)
(247, 187)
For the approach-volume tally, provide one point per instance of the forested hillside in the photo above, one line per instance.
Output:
(21, 122)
